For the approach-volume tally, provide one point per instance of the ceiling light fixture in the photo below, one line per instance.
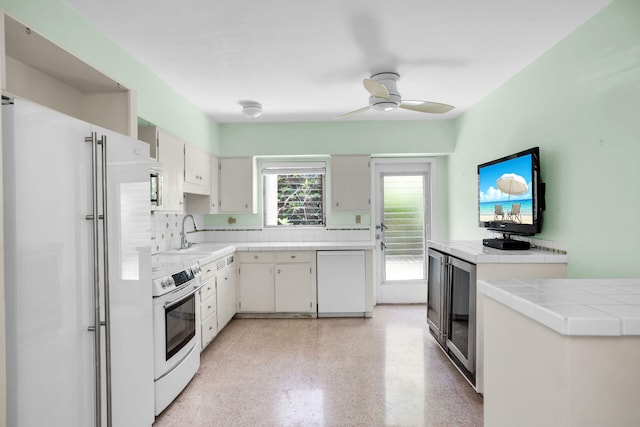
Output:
(251, 108)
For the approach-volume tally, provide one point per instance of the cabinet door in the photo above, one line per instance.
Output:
(171, 155)
(256, 287)
(197, 170)
(214, 198)
(226, 293)
(237, 185)
(294, 287)
(350, 183)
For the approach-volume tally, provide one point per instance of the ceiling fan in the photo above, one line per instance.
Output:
(385, 97)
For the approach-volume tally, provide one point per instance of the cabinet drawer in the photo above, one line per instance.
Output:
(208, 307)
(208, 290)
(256, 257)
(294, 256)
(209, 329)
(208, 270)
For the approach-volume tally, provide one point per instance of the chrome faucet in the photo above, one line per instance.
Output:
(183, 242)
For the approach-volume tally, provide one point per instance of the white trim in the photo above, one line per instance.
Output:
(411, 292)
(284, 168)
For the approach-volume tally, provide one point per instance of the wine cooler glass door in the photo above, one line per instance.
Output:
(461, 313)
(435, 292)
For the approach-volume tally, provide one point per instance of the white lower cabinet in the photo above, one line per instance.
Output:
(209, 329)
(294, 282)
(226, 279)
(208, 303)
(217, 297)
(280, 282)
(255, 273)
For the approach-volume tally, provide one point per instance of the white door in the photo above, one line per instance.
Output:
(402, 205)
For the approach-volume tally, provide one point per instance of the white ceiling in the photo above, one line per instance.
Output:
(305, 60)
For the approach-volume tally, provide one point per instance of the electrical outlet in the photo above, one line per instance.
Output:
(358, 219)
(231, 220)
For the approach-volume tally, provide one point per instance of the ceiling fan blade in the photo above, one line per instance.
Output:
(375, 88)
(360, 110)
(426, 106)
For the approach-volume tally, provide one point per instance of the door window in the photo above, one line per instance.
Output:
(403, 219)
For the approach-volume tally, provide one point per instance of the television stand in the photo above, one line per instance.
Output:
(506, 244)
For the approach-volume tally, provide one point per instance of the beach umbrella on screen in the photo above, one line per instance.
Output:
(512, 183)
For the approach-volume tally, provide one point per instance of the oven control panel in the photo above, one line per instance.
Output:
(169, 283)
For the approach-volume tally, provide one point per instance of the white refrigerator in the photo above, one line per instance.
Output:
(62, 370)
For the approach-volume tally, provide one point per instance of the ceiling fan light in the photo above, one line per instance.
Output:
(385, 106)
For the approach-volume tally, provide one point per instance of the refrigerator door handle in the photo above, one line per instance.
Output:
(95, 216)
(93, 139)
(105, 254)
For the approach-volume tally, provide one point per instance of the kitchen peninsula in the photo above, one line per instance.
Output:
(481, 263)
(561, 352)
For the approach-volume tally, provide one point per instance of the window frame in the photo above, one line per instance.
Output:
(293, 168)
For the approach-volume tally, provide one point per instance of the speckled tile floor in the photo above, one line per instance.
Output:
(382, 371)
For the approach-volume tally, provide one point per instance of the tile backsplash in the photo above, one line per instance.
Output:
(166, 229)
(310, 234)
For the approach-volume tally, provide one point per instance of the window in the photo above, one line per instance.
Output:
(293, 194)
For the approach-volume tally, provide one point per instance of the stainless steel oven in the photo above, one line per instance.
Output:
(451, 309)
(176, 314)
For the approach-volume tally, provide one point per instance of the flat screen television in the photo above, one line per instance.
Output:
(511, 198)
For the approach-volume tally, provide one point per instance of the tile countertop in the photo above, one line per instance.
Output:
(210, 250)
(475, 252)
(302, 246)
(593, 307)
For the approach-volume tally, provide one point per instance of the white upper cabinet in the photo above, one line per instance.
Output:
(350, 183)
(36, 69)
(197, 170)
(237, 185)
(214, 199)
(205, 204)
(168, 150)
(171, 155)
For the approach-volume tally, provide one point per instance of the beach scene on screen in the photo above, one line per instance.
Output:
(505, 191)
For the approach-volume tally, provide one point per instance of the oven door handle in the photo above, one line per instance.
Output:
(196, 288)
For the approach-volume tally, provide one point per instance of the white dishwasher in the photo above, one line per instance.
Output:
(341, 283)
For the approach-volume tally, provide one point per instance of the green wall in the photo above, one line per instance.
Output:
(403, 138)
(158, 102)
(580, 102)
